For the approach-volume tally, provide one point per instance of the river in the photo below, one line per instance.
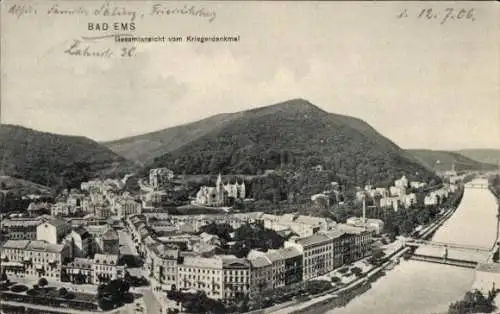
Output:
(425, 288)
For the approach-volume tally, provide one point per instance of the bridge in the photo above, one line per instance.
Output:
(463, 247)
(445, 261)
(476, 185)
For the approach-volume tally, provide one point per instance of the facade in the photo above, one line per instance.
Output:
(53, 230)
(80, 241)
(126, 206)
(262, 272)
(300, 224)
(321, 253)
(34, 258)
(106, 268)
(236, 273)
(163, 261)
(220, 194)
(79, 271)
(286, 266)
(20, 228)
(205, 274)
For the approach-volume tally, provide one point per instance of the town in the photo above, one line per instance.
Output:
(115, 242)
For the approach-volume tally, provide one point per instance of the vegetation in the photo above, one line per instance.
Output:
(55, 160)
(300, 290)
(197, 302)
(113, 294)
(294, 135)
(19, 288)
(444, 160)
(42, 282)
(246, 237)
(473, 302)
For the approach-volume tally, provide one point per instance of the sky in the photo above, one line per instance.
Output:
(420, 83)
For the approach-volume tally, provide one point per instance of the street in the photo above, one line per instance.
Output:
(127, 246)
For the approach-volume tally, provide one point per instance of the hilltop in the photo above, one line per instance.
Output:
(55, 160)
(293, 134)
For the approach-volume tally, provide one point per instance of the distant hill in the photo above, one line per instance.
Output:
(146, 147)
(55, 160)
(444, 160)
(489, 156)
(293, 134)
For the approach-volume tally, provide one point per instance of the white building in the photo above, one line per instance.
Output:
(53, 230)
(106, 268)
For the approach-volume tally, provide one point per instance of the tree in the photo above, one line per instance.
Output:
(42, 282)
(4, 277)
(63, 292)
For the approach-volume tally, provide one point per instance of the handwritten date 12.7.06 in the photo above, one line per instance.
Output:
(441, 15)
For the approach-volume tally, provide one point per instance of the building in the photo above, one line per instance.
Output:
(374, 225)
(52, 230)
(106, 268)
(321, 252)
(108, 242)
(34, 258)
(401, 183)
(286, 266)
(300, 224)
(79, 271)
(126, 206)
(80, 242)
(204, 274)
(356, 243)
(262, 272)
(236, 274)
(20, 228)
(163, 261)
(221, 194)
(103, 211)
(160, 177)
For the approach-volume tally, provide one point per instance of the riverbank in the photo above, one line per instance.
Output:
(340, 297)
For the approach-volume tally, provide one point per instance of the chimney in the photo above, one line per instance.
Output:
(364, 209)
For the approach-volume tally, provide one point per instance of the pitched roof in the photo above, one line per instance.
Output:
(44, 246)
(259, 261)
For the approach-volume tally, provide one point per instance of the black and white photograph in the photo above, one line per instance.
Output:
(257, 157)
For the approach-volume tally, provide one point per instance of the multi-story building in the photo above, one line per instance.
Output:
(13, 256)
(53, 230)
(79, 271)
(80, 242)
(357, 243)
(103, 211)
(106, 268)
(299, 224)
(286, 266)
(163, 262)
(126, 206)
(44, 259)
(20, 228)
(321, 252)
(61, 209)
(236, 272)
(262, 272)
(205, 274)
(108, 242)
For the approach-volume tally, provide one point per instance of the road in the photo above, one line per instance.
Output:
(127, 246)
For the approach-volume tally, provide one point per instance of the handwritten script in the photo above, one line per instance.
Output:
(443, 15)
(111, 10)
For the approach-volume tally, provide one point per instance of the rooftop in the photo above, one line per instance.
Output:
(43, 246)
(203, 262)
(16, 244)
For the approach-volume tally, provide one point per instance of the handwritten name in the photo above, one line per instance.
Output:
(110, 10)
(440, 15)
(78, 48)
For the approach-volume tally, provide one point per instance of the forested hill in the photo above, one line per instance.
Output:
(444, 160)
(145, 147)
(55, 160)
(489, 156)
(298, 135)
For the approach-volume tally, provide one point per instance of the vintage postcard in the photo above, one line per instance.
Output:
(249, 157)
